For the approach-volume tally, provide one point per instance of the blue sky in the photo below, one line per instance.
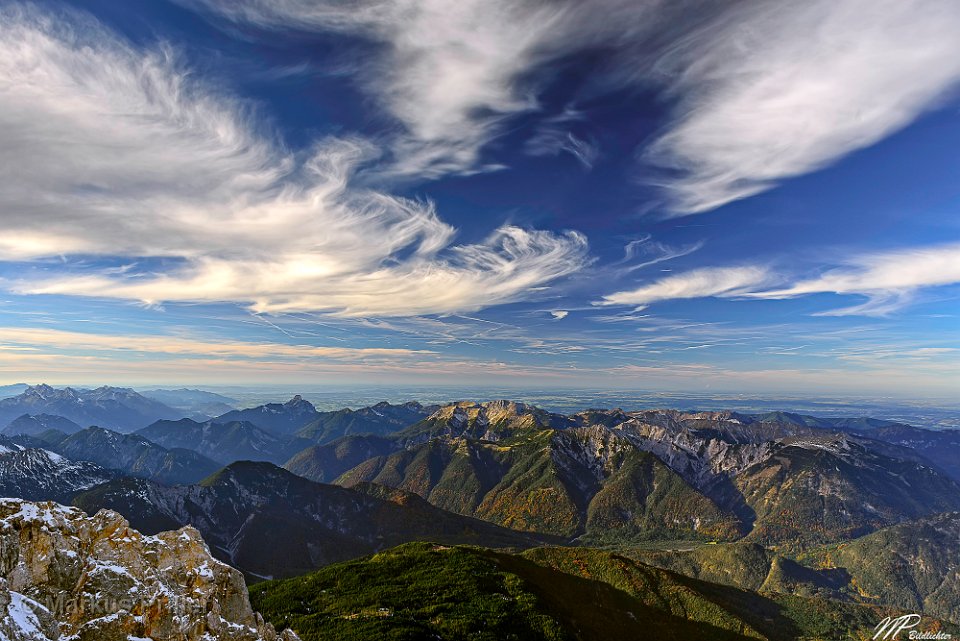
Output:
(683, 196)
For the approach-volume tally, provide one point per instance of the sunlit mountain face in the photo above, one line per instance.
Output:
(694, 197)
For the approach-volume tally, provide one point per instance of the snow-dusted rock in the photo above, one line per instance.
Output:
(66, 576)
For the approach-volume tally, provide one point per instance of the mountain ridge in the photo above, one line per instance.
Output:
(240, 508)
(117, 408)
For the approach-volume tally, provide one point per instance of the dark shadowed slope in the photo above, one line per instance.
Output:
(36, 424)
(280, 418)
(225, 442)
(131, 454)
(270, 522)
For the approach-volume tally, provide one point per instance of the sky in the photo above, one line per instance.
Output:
(738, 196)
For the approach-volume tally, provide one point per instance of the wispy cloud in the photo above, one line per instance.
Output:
(555, 136)
(118, 152)
(764, 91)
(772, 90)
(452, 73)
(47, 339)
(650, 252)
(448, 72)
(698, 283)
(889, 280)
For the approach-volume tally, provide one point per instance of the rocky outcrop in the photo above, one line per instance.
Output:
(491, 421)
(67, 576)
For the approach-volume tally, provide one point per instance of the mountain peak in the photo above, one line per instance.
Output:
(249, 472)
(41, 391)
(300, 405)
(118, 408)
(490, 421)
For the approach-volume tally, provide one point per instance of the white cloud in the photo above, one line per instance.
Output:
(554, 136)
(773, 90)
(699, 283)
(449, 72)
(764, 91)
(112, 151)
(512, 263)
(53, 339)
(650, 252)
(889, 280)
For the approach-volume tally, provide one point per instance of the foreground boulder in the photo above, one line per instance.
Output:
(66, 575)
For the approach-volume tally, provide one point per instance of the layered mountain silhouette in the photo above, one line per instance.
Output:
(225, 442)
(116, 408)
(193, 403)
(280, 418)
(34, 424)
(130, 454)
(382, 418)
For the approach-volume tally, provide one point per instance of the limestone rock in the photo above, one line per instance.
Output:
(66, 576)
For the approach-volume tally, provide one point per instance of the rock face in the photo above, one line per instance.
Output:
(491, 421)
(588, 483)
(68, 576)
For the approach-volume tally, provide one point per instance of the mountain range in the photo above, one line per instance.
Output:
(617, 476)
(840, 513)
(225, 441)
(241, 509)
(35, 424)
(35, 473)
(280, 418)
(116, 408)
(129, 454)
(380, 419)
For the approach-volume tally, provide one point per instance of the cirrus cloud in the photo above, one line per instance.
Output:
(770, 90)
(698, 283)
(889, 280)
(116, 152)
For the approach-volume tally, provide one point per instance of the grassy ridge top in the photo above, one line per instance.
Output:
(422, 591)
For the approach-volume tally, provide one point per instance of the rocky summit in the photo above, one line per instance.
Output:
(67, 576)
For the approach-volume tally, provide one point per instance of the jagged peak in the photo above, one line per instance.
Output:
(300, 403)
